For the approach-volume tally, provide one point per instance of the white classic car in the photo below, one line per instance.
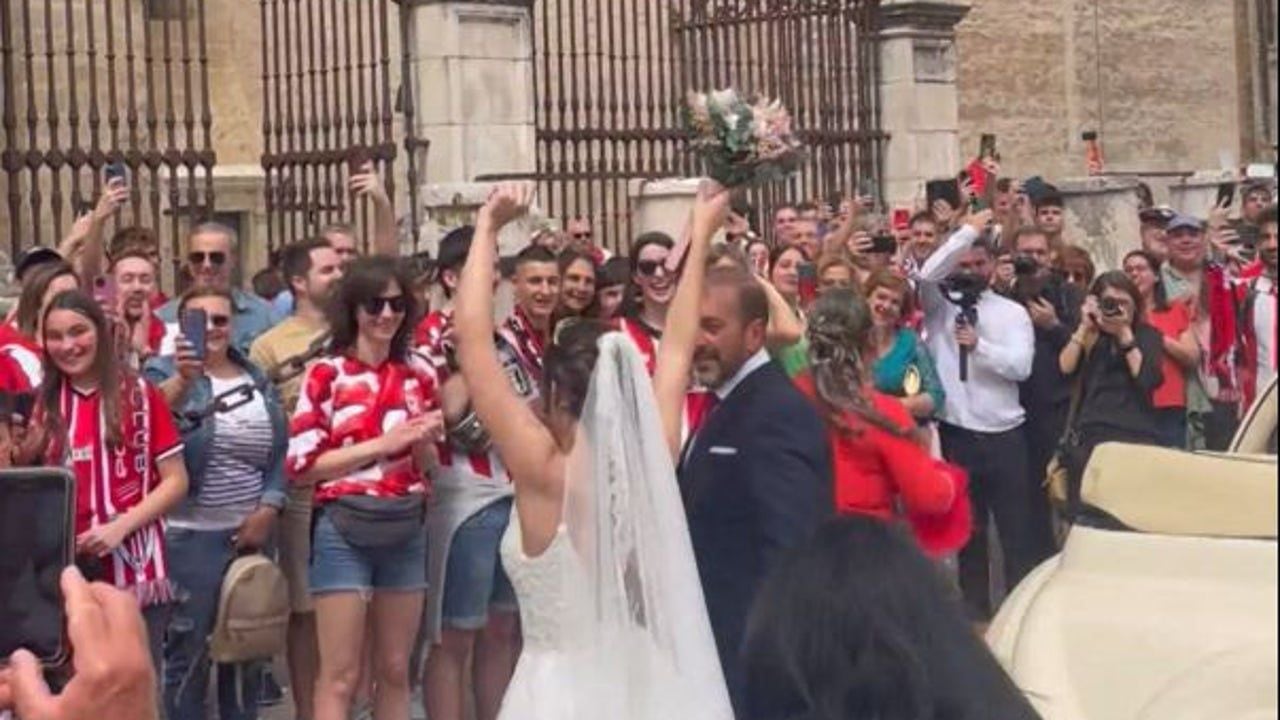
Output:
(1162, 604)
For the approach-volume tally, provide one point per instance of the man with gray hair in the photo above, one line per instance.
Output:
(210, 259)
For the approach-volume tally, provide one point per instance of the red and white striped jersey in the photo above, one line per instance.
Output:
(344, 402)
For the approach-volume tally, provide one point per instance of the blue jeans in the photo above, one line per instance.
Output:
(197, 562)
(1171, 426)
(339, 566)
(475, 582)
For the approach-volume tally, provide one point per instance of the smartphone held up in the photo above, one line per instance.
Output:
(36, 543)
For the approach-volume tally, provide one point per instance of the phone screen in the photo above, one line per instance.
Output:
(35, 545)
(948, 190)
(104, 290)
(884, 245)
(114, 170)
(194, 326)
(1226, 194)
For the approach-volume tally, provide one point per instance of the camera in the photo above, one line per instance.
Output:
(1025, 265)
(964, 285)
(1110, 307)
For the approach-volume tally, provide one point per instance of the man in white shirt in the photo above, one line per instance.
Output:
(982, 420)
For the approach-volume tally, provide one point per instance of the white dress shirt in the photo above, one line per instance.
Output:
(1264, 328)
(988, 402)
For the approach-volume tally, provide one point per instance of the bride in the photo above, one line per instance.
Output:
(614, 621)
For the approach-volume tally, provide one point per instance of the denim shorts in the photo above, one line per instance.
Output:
(338, 566)
(475, 583)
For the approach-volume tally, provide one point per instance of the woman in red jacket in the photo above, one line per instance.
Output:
(878, 467)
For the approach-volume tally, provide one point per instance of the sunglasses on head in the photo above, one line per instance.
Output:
(216, 259)
(374, 306)
(649, 268)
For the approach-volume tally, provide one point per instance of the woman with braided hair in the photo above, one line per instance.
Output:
(878, 467)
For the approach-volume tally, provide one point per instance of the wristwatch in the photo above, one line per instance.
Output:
(1126, 349)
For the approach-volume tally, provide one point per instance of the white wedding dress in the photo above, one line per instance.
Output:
(614, 622)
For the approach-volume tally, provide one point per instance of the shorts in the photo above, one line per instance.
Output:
(475, 583)
(338, 566)
(295, 548)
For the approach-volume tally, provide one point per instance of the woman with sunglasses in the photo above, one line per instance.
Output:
(234, 438)
(655, 285)
(363, 433)
(115, 433)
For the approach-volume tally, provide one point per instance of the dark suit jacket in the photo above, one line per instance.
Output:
(756, 482)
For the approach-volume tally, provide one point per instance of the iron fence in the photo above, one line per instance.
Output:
(328, 104)
(610, 76)
(88, 83)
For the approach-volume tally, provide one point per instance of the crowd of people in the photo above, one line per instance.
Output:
(363, 421)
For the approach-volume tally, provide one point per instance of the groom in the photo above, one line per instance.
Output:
(756, 476)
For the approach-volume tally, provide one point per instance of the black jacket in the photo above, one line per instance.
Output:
(756, 482)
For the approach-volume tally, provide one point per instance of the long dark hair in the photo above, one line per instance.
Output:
(365, 279)
(33, 290)
(569, 363)
(112, 376)
(839, 329)
(858, 624)
(1160, 294)
(633, 301)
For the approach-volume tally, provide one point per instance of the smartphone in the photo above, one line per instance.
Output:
(115, 171)
(987, 146)
(1226, 195)
(901, 218)
(884, 245)
(37, 541)
(105, 291)
(948, 190)
(357, 158)
(194, 327)
(808, 282)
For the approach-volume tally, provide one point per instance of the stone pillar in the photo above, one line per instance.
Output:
(475, 78)
(918, 97)
(1102, 217)
(475, 102)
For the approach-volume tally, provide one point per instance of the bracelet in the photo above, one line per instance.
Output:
(1126, 349)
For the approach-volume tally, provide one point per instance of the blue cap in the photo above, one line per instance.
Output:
(1182, 222)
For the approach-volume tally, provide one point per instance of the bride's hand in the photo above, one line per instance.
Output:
(507, 202)
(710, 208)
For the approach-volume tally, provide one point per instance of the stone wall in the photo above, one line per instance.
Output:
(1169, 98)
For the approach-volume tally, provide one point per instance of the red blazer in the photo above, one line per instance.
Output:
(873, 468)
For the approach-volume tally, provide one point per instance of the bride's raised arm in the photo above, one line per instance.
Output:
(675, 355)
(524, 442)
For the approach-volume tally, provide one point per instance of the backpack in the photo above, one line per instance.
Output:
(253, 612)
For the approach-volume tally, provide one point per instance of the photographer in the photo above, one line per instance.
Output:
(1054, 307)
(983, 346)
(1117, 356)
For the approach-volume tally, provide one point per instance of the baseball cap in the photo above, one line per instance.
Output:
(1159, 215)
(1182, 222)
(32, 257)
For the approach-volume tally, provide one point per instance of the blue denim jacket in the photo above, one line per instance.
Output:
(197, 442)
(253, 316)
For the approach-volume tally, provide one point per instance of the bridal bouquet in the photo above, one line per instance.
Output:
(744, 141)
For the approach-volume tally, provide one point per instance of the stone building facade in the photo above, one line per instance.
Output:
(1171, 85)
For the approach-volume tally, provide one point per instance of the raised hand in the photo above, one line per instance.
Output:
(113, 675)
(507, 202)
(367, 183)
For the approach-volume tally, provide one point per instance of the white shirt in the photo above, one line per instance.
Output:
(1264, 328)
(988, 402)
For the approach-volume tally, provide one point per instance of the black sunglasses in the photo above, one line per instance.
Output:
(374, 306)
(216, 259)
(581, 236)
(649, 268)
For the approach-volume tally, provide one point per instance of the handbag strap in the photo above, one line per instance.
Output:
(1077, 396)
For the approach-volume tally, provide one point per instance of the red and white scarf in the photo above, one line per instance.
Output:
(645, 338)
(518, 330)
(111, 481)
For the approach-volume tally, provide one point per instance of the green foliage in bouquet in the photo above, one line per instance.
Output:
(743, 141)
